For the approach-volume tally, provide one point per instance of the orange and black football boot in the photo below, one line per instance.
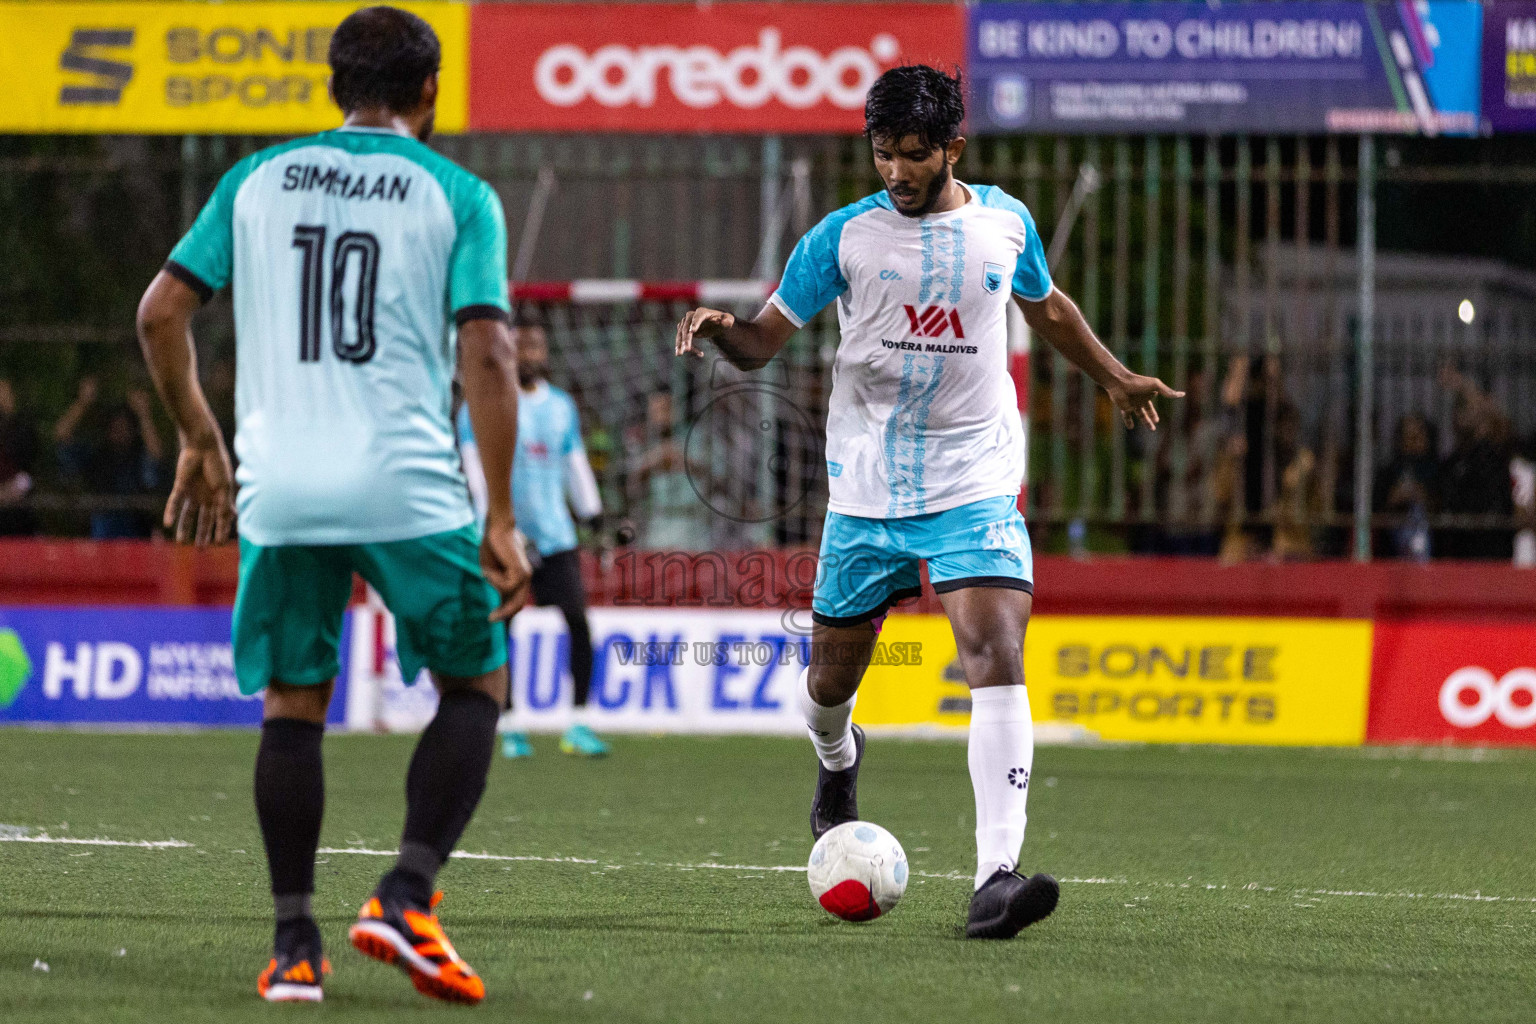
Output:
(293, 978)
(393, 931)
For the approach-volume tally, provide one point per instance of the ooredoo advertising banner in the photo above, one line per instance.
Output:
(737, 67)
(1246, 67)
(1509, 66)
(1452, 682)
(126, 666)
(228, 68)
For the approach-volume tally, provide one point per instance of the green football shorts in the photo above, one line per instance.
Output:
(289, 608)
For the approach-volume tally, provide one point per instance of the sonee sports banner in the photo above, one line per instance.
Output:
(234, 68)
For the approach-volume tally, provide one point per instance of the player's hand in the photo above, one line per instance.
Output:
(700, 323)
(201, 508)
(504, 560)
(1134, 396)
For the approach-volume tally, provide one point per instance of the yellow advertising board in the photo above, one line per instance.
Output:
(1168, 680)
(229, 68)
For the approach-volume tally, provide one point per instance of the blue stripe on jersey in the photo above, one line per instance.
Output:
(906, 442)
(943, 253)
(1032, 275)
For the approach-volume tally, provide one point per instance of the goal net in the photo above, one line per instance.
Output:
(689, 454)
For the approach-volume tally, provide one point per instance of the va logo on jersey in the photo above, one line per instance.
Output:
(992, 276)
(933, 321)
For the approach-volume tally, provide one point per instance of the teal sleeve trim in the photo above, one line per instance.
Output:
(477, 268)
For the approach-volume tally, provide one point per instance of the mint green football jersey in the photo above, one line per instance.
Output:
(352, 255)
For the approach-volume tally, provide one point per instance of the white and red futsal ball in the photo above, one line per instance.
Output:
(857, 871)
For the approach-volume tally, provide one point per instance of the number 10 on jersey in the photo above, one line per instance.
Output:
(358, 249)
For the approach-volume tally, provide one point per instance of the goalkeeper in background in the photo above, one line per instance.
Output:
(550, 478)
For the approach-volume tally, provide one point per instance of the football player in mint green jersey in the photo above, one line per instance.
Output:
(353, 254)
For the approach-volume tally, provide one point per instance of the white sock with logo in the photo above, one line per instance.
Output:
(1001, 753)
(831, 728)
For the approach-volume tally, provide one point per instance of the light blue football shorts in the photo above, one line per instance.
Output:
(867, 565)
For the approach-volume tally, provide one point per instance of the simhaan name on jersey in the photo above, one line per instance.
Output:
(336, 182)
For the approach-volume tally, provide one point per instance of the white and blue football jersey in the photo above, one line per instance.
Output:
(550, 472)
(351, 253)
(923, 415)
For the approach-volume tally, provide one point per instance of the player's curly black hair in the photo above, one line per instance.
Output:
(382, 55)
(915, 99)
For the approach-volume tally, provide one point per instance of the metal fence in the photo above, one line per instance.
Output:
(1227, 266)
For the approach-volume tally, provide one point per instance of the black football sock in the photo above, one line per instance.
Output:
(442, 789)
(581, 654)
(290, 802)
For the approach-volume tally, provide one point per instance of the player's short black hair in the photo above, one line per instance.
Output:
(915, 99)
(382, 55)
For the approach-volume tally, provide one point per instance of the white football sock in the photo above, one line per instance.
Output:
(1001, 753)
(831, 728)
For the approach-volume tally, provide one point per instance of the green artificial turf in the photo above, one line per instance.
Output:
(1199, 884)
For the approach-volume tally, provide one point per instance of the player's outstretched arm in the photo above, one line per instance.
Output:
(746, 344)
(488, 370)
(1057, 319)
(201, 507)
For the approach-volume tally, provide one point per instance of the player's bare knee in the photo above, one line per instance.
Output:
(992, 661)
(493, 684)
(830, 686)
(305, 703)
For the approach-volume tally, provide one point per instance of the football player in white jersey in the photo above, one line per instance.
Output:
(349, 252)
(925, 451)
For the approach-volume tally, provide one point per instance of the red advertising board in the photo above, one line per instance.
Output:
(738, 67)
(1437, 682)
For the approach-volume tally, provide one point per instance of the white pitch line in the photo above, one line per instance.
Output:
(143, 844)
(363, 851)
(457, 854)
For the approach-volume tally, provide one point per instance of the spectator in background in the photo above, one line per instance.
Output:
(657, 481)
(1407, 491)
(1475, 477)
(122, 461)
(1299, 500)
(18, 447)
(1522, 472)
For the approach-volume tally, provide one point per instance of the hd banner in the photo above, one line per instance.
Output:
(228, 68)
(126, 667)
(736, 67)
(1248, 67)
